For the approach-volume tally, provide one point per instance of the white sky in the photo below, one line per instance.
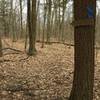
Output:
(69, 4)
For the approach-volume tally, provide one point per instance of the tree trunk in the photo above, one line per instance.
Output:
(39, 21)
(63, 19)
(43, 36)
(32, 26)
(1, 54)
(21, 19)
(84, 50)
(49, 2)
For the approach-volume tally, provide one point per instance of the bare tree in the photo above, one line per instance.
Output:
(31, 17)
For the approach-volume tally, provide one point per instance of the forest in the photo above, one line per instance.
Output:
(49, 50)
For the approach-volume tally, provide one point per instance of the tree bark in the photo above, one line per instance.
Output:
(1, 54)
(43, 34)
(49, 4)
(32, 17)
(21, 19)
(84, 52)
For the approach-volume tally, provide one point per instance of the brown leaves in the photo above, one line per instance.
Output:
(47, 76)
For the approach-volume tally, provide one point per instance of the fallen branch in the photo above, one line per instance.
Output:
(14, 53)
(11, 49)
(7, 60)
(56, 42)
(6, 42)
(68, 44)
(24, 58)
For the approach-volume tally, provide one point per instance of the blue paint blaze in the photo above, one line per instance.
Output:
(90, 12)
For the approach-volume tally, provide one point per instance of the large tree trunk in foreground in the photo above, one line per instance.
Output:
(84, 50)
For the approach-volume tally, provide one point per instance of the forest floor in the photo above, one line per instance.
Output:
(46, 76)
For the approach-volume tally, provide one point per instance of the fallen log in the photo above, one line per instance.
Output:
(68, 44)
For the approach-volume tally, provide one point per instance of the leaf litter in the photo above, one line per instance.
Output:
(47, 76)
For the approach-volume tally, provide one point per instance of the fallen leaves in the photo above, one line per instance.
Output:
(47, 76)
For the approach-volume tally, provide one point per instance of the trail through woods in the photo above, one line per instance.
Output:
(47, 76)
